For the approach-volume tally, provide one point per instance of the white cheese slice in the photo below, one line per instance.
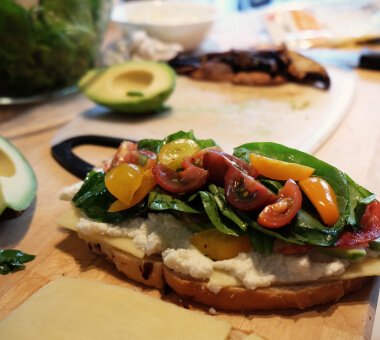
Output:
(81, 309)
(69, 220)
(368, 267)
(223, 279)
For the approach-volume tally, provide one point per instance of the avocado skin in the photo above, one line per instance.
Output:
(349, 254)
(10, 214)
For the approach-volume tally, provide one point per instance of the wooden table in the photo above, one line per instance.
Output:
(354, 148)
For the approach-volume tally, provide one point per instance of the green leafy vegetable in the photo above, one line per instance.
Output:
(12, 260)
(94, 199)
(155, 144)
(262, 243)
(349, 194)
(212, 212)
(225, 208)
(48, 46)
(160, 201)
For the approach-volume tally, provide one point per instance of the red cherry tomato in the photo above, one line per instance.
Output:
(188, 180)
(370, 228)
(244, 192)
(281, 212)
(128, 153)
(218, 163)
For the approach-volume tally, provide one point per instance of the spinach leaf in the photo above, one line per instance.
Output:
(306, 227)
(212, 212)
(160, 201)
(155, 144)
(12, 260)
(225, 208)
(94, 199)
(262, 243)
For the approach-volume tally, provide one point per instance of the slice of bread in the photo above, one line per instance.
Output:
(152, 272)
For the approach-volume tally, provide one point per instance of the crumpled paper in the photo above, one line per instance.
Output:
(140, 46)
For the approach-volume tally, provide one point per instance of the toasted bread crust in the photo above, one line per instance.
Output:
(152, 272)
(148, 270)
(271, 298)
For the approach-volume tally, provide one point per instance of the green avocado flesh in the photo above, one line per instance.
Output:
(349, 254)
(131, 87)
(18, 184)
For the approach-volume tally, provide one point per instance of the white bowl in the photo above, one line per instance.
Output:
(185, 23)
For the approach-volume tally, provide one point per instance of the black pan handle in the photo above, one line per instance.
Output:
(63, 152)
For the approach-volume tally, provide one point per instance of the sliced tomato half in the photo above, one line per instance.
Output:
(370, 228)
(217, 163)
(281, 212)
(188, 180)
(244, 192)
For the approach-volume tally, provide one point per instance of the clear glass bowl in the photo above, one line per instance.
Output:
(47, 45)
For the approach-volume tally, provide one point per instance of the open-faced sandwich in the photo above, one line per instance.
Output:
(268, 227)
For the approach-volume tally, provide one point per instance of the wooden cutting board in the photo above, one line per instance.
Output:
(60, 253)
(297, 116)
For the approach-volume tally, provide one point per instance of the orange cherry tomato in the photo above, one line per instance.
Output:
(279, 170)
(322, 197)
(147, 184)
(123, 181)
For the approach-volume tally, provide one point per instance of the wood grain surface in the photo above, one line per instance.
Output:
(59, 253)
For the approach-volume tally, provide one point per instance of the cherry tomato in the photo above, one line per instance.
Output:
(123, 181)
(244, 192)
(281, 212)
(172, 154)
(147, 184)
(279, 170)
(197, 159)
(218, 163)
(322, 197)
(128, 153)
(370, 227)
(188, 180)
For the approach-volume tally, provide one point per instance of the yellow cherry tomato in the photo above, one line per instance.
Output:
(123, 181)
(219, 246)
(322, 197)
(173, 153)
(147, 184)
(279, 170)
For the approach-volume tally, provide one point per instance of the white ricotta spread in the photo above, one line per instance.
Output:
(69, 192)
(164, 234)
(152, 235)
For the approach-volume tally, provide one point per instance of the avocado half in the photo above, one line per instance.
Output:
(18, 183)
(131, 87)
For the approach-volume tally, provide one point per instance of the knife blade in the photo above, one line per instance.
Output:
(365, 59)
